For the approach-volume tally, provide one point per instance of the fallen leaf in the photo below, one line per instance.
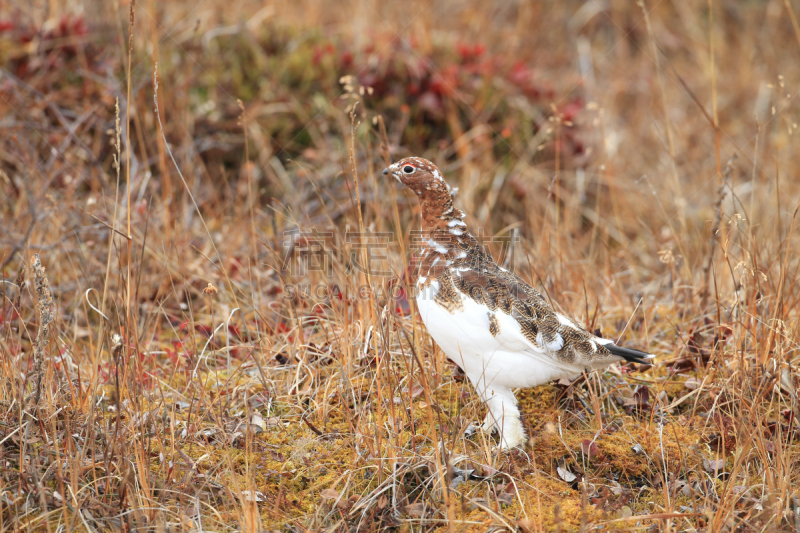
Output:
(458, 480)
(329, 494)
(691, 383)
(684, 363)
(723, 444)
(488, 471)
(566, 475)
(277, 456)
(459, 472)
(696, 341)
(505, 498)
(416, 509)
(786, 382)
(589, 448)
(714, 465)
(642, 395)
(663, 397)
(616, 488)
(258, 421)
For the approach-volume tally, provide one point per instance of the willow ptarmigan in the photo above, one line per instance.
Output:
(497, 328)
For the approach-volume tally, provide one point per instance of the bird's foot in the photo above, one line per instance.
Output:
(471, 430)
(510, 431)
(487, 426)
(512, 434)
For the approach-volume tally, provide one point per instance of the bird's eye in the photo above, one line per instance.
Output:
(408, 169)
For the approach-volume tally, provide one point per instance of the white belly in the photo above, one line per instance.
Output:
(506, 360)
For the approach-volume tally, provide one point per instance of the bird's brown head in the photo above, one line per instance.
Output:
(425, 180)
(417, 174)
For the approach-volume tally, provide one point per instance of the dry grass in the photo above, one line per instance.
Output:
(202, 365)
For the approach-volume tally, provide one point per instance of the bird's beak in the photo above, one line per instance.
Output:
(385, 171)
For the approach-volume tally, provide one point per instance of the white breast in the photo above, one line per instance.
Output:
(507, 360)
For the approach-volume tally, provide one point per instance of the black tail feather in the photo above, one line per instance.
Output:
(629, 354)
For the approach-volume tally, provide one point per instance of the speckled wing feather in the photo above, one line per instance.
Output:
(504, 291)
(468, 269)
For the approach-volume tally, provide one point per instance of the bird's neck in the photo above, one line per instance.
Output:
(448, 246)
(438, 212)
(446, 240)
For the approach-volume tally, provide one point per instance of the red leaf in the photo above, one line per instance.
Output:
(642, 396)
(589, 448)
(329, 494)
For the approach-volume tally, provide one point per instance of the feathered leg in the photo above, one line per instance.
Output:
(503, 416)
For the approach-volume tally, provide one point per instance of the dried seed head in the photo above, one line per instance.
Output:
(666, 256)
(210, 289)
(116, 343)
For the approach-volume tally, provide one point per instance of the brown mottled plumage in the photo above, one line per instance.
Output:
(494, 324)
